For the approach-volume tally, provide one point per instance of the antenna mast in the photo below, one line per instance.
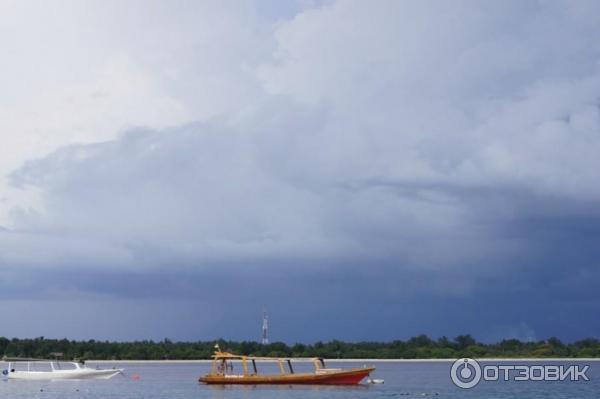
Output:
(265, 328)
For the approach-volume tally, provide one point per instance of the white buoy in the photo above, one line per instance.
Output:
(375, 381)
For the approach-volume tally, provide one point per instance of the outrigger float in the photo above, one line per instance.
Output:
(222, 372)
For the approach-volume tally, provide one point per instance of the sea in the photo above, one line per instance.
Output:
(413, 379)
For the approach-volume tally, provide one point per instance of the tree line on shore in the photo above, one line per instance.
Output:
(420, 347)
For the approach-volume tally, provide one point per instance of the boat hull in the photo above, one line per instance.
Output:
(345, 377)
(81, 374)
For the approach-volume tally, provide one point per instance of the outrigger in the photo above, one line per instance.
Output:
(222, 372)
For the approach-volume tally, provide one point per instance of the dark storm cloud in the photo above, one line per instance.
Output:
(356, 301)
(450, 258)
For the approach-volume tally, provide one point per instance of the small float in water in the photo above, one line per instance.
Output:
(43, 369)
(222, 371)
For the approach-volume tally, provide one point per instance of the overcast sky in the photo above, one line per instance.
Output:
(364, 170)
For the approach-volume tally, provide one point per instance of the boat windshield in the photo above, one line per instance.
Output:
(42, 366)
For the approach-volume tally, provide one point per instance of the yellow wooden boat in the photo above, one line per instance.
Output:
(222, 372)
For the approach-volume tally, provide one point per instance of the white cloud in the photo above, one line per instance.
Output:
(354, 131)
(80, 72)
(461, 93)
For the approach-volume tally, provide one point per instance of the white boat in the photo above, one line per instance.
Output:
(39, 369)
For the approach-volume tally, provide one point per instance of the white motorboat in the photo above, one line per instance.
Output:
(39, 369)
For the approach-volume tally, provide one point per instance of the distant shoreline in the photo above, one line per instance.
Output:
(206, 361)
(420, 349)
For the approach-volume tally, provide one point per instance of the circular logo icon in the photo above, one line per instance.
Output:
(465, 373)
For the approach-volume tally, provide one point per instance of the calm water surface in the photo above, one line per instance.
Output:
(402, 380)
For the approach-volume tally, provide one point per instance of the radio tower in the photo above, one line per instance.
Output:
(265, 328)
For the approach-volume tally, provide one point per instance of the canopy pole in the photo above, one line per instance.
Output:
(245, 365)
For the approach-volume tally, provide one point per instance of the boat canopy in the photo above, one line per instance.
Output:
(230, 356)
(222, 359)
(25, 359)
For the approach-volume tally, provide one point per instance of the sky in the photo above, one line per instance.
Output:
(362, 170)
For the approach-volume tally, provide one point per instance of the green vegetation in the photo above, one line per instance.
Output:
(416, 347)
